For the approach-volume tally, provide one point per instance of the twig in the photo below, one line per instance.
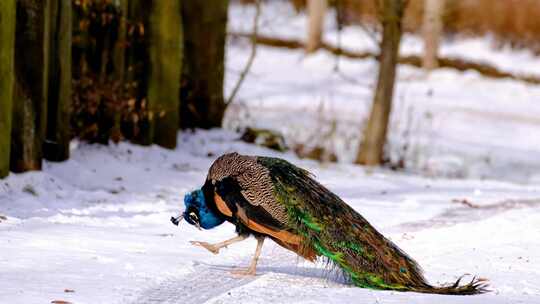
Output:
(251, 55)
(465, 202)
(339, 21)
(372, 35)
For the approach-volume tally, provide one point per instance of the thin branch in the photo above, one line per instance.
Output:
(339, 21)
(251, 55)
(372, 35)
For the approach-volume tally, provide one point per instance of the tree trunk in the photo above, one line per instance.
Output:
(371, 148)
(205, 27)
(138, 69)
(136, 55)
(56, 147)
(7, 53)
(120, 46)
(432, 30)
(165, 51)
(316, 12)
(30, 94)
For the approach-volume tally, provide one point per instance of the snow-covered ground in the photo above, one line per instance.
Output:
(98, 224)
(95, 229)
(444, 123)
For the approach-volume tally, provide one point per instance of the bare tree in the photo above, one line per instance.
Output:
(7, 76)
(316, 12)
(371, 148)
(432, 29)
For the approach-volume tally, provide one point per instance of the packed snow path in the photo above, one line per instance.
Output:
(98, 225)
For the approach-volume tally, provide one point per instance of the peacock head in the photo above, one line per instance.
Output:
(197, 212)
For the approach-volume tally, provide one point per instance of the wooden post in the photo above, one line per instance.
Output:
(30, 94)
(372, 146)
(316, 12)
(56, 147)
(7, 53)
(205, 26)
(165, 49)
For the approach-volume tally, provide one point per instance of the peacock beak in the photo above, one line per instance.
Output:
(177, 220)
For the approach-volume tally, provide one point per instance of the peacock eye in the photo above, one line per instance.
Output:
(193, 217)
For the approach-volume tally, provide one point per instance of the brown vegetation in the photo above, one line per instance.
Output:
(514, 22)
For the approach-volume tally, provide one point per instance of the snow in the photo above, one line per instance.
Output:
(457, 124)
(98, 224)
(279, 19)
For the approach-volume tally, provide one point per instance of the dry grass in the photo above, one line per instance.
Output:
(512, 22)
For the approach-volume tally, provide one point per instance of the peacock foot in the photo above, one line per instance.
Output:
(244, 272)
(212, 248)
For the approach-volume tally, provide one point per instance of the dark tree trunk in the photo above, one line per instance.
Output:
(30, 95)
(56, 147)
(165, 51)
(137, 15)
(155, 65)
(7, 53)
(121, 42)
(372, 146)
(205, 28)
(138, 70)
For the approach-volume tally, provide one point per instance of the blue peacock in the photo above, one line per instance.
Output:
(271, 198)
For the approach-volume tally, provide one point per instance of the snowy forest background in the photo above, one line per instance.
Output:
(421, 114)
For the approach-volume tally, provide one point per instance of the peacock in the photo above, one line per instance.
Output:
(271, 198)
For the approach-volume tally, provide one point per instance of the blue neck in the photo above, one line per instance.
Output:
(207, 218)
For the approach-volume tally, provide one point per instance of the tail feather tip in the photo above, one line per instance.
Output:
(475, 286)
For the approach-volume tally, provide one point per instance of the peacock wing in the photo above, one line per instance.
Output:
(255, 207)
(335, 230)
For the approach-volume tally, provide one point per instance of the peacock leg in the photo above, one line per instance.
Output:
(214, 248)
(252, 269)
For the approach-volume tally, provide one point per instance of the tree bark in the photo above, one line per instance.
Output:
(7, 76)
(205, 25)
(372, 146)
(56, 146)
(136, 55)
(432, 29)
(120, 46)
(30, 94)
(316, 12)
(165, 50)
(138, 69)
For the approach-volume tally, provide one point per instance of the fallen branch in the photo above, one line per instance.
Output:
(414, 60)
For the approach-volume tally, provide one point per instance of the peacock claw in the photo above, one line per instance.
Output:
(244, 272)
(213, 249)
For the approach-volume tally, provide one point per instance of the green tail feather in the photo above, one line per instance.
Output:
(335, 231)
(360, 279)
